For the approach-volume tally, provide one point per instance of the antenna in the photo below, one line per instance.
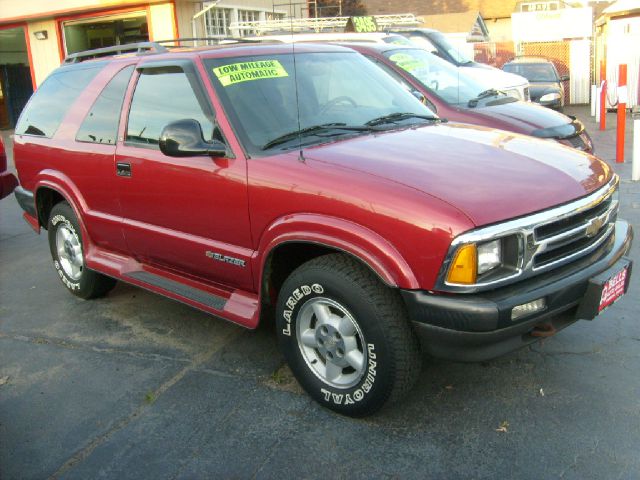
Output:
(295, 80)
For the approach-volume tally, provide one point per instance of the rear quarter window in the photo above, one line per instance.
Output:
(101, 123)
(53, 99)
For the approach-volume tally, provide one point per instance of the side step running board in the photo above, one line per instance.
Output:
(185, 291)
(238, 306)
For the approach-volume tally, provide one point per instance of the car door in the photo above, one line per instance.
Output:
(186, 214)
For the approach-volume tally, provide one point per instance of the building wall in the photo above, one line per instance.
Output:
(621, 35)
(186, 10)
(161, 22)
(44, 53)
(166, 20)
(487, 8)
(12, 10)
(499, 29)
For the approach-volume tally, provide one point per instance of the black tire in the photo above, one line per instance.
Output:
(386, 354)
(64, 230)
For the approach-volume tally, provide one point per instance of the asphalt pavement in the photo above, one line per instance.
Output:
(136, 386)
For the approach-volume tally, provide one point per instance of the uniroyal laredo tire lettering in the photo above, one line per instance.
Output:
(294, 299)
(68, 283)
(362, 390)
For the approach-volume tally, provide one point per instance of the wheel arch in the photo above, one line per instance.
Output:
(53, 187)
(294, 240)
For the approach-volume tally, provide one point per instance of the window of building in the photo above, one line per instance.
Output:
(53, 99)
(247, 16)
(105, 31)
(217, 22)
(101, 123)
(274, 16)
(162, 97)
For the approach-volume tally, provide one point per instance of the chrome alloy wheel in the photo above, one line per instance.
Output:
(331, 342)
(69, 252)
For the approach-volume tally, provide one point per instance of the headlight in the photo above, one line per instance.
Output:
(489, 256)
(549, 97)
(513, 92)
(480, 261)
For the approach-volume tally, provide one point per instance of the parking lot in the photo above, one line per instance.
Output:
(138, 386)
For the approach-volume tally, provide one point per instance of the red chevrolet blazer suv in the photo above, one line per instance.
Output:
(250, 179)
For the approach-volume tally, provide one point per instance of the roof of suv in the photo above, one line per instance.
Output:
(223, 50)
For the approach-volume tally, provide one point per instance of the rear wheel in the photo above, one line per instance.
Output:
(65, 243)
(346, 336)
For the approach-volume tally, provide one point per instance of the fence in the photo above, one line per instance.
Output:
(571, 58)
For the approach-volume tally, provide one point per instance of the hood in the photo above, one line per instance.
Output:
(523, 117)
(480, 65)
(489, 175)
(494, 78)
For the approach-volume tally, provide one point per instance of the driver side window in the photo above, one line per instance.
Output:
(163, 96)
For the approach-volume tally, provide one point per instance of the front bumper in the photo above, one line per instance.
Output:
(26, 201)
(479, 327)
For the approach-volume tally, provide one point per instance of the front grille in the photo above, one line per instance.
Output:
(569, 223)
(577, 142)
(572, 248)
(574, 234)
(546, 240)
(580, 142)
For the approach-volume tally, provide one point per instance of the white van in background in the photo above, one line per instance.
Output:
(374, 37)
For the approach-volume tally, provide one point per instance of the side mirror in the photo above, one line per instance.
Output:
(564, 78)
(183, 138)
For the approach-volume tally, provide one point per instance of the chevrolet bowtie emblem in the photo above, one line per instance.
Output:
(593, 227)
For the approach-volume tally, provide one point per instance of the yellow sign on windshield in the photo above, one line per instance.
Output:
(246, 71)
(407, 62)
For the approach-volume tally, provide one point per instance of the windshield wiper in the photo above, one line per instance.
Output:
(492, 92)
(394, 117)
(313, 130)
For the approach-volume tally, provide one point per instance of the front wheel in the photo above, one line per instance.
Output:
(346, 336)
(65, 243)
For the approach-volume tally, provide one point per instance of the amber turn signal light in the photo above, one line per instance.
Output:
(464, 267)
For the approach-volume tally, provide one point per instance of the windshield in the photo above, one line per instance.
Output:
(437, 75)
(454, 52)
(333, 89)
(534, 72)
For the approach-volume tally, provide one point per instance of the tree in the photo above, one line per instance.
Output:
(331, 8)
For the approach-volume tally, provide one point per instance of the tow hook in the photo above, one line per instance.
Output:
(543, 329)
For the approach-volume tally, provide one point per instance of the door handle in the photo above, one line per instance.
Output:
(123, 169)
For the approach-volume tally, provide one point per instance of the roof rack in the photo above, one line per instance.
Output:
(139, 48)
(321, 24)
(216, 40)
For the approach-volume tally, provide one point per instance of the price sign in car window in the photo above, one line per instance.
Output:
(247, 71)
(362, 25)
